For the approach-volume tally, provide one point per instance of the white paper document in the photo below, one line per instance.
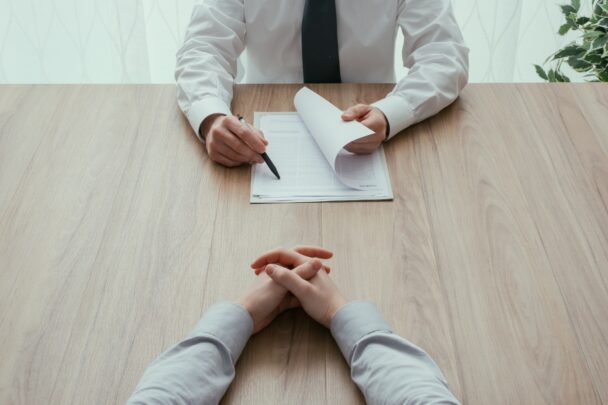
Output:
(307, 148)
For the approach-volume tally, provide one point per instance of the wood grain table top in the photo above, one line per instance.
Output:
(117, 232)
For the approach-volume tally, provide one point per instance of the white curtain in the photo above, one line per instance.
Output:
(134, 41)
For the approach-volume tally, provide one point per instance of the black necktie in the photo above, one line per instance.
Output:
(320, 58)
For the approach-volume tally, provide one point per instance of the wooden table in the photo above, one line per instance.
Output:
(116, 232)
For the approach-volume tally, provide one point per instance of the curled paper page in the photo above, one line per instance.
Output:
(324, 122)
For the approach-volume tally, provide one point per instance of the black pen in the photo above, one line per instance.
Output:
(273, 169)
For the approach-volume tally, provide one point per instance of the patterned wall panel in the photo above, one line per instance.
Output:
(134, 41)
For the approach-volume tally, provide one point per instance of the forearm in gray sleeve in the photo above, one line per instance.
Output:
(199, 369)
(387, 368)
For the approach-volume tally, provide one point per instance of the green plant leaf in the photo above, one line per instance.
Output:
(593, 58)
(603, 76)
(564, 29)
(567, 9)
(579, 65)
(600, 7)
(582, 20)
(571, 19)
(599, 42)
(541, 72)
(561, 77)
(570, 50)
(576, 4)
(591, 35)
(603, 22)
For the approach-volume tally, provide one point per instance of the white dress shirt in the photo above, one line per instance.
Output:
(225, 35)
(387, 368)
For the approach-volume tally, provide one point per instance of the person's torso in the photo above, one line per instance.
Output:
(366, 39)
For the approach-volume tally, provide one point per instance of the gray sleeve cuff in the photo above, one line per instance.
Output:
(200, 110)
(398, 113)
(230, 323)
(354, 321)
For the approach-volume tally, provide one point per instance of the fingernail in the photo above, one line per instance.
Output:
(315, 264)
(269, 270)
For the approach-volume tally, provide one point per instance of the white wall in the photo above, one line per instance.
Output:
(134, 41)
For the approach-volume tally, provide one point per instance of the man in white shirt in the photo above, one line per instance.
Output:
(314, 41)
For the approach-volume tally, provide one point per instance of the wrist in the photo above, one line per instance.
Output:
(387, 125)
(246, 305)
(207, 124)
(337, 303)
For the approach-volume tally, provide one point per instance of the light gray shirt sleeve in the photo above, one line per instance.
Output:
(387, 368)
(199, 369)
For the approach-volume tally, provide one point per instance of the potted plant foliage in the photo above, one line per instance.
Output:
(589, 53)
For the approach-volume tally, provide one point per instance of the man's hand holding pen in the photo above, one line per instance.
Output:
(230, 143)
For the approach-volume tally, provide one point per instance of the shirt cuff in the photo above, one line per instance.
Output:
(398, 113)
(230, 323)
(353, 322)
(201, 109)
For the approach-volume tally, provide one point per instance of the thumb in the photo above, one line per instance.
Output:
(264, 138)
(289, 279)
(309, 269)
(355, 112)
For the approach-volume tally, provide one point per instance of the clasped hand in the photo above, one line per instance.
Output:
(290, 278)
